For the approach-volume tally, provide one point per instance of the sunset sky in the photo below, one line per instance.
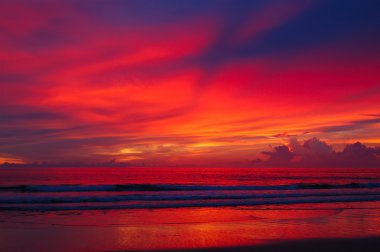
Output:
(196, 82)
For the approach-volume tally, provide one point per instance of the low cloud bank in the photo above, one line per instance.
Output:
(316, 153)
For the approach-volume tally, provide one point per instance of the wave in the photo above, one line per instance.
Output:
(55, 199)
(173, 187)
(180, 204)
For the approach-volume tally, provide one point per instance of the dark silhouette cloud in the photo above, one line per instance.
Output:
(358, 154)
(279, 155)
(312, 146)
(316, 153)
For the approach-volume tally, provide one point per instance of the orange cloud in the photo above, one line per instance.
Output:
(213, 85)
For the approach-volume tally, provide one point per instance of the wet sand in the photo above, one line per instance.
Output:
(310, 245)
(304, 227)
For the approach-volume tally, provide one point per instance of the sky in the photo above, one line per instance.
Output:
(196, 82)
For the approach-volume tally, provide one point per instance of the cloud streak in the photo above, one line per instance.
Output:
(185, 81)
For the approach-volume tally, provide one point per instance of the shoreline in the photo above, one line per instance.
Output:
(193, 230)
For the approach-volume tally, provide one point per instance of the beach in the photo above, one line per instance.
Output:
(352, 244)
(125, 210)
(195, 229)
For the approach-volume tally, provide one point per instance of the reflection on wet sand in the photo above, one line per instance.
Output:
(186, 228)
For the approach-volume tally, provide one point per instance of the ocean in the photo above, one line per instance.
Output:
(107, 209)
(55, 189)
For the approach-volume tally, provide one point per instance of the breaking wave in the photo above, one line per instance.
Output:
(172, 187)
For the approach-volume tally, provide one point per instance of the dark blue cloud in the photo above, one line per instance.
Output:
(353, 125)
(17, 114)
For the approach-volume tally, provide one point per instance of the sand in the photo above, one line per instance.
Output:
(331, 227)
(309, 245)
